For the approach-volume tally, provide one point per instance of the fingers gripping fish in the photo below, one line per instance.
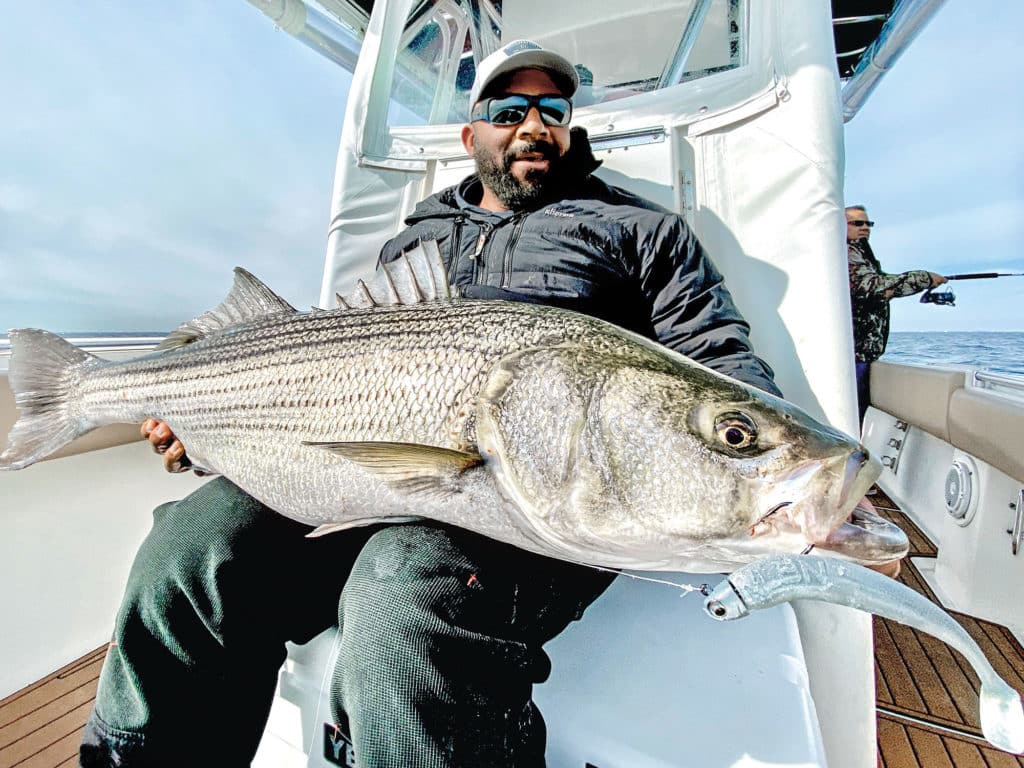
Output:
(547, 429)
(781, 578)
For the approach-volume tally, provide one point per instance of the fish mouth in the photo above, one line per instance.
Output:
(818, 509)
(817, 495)
(859, 474)
(841, 484)
(863, 537)
(866, 538)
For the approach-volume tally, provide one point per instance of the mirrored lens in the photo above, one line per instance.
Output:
(555, 110)
(512, 110)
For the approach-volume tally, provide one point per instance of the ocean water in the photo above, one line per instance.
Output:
(998, 352)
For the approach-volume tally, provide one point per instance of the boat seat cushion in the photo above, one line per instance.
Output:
(916, 394)
(990, 428)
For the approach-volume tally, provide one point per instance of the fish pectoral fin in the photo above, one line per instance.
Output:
(326, 528)
(410, 468)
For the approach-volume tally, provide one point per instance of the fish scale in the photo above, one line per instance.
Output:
(544, 428)
(402, 374)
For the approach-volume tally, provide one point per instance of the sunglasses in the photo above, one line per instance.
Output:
(513, 108)
(861, 223)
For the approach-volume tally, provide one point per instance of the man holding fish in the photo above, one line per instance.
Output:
(442, 628)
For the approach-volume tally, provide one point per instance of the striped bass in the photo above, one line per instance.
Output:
(540, 427)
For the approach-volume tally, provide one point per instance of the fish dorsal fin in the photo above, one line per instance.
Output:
(248, 300)
(417, 276)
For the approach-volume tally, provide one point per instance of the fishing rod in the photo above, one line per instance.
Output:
(983, 275)
(946, 297)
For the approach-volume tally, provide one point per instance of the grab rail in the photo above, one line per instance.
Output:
(987, 380)
(141, 343)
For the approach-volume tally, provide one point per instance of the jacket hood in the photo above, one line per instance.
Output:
(441, 205)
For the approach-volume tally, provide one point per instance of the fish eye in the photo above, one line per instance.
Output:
(736, 430)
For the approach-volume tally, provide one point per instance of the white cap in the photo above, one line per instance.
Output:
(524, 54)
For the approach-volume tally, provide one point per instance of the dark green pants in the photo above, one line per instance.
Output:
(441, 635)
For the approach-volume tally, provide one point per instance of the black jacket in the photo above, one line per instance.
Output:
(601, 251)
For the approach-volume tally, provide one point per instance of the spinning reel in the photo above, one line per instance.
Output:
(944, 298)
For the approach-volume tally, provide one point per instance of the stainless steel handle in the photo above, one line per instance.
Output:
(1017, 535)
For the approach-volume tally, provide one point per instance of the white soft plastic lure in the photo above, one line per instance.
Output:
(780, 578)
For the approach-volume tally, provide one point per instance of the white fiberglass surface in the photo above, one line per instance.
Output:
(646, 679)
(69, 530)
(444, 40)
(976, 570)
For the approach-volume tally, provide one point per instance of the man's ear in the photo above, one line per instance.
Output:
(468, 138)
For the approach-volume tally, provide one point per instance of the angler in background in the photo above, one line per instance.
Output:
(870, 292)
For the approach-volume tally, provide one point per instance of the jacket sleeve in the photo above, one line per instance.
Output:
(691, 309)
(394, 247)
(866, 281)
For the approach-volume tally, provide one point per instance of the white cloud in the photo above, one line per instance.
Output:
(15, 198)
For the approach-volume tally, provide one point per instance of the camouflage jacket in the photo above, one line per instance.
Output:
(868, 288)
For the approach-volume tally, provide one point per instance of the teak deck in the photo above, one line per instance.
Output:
(927, 694)
(40, 726)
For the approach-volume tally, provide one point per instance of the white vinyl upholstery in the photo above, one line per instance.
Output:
(916, 394)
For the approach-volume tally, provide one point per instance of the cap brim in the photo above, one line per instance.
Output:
(562, 72)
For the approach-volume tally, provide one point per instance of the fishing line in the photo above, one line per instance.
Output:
(704, 589)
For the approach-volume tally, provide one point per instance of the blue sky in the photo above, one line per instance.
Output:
(143, 149)
(146, 145)
(937, 156)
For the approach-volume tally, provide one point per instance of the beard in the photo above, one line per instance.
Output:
(535, 189)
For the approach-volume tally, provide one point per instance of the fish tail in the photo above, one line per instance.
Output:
(44, 373)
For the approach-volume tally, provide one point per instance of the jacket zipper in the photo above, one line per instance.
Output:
(510, 247)
(481, 241)
(453, 253)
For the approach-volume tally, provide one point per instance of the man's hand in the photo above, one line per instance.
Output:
(164, 442)
(937, 279)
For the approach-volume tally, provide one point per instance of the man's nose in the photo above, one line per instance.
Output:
(532, 124)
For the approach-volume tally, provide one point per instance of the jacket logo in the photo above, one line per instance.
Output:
(519, 46)
(560, 214)
(338, 748)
